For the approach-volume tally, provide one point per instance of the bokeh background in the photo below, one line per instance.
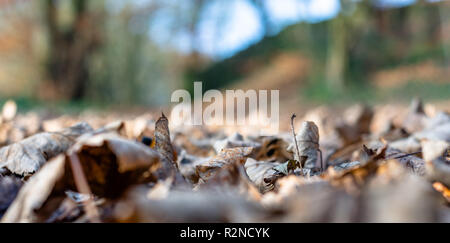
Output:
(103, 53)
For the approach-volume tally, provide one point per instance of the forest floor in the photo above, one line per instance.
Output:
(347, 163)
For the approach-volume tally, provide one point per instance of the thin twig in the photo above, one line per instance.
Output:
(322, 166)
(83, 187)
(406, 155)
(295, 139)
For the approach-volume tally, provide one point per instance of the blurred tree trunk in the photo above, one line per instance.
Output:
(337, 53)
(69, 49)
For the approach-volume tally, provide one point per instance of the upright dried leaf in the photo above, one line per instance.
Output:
(162, 139)
(308, 144)
(163, 145)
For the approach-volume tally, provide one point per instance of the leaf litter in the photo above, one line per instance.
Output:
(362, 165)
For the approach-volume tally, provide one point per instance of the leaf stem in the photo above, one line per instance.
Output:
(295, 140)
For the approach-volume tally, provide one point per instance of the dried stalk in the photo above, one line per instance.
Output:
(295, 140)
(83, 187)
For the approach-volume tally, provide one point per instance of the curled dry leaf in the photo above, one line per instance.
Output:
(265, 174)
(262, 174)
(354, 179)
(163, 145)
(227, 156)
(111, 164)
(27, 156)
(308, 144)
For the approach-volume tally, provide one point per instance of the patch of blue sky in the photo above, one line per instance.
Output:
(230, 26)
(393, 3)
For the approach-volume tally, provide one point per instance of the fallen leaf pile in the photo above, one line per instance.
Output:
(361, 165)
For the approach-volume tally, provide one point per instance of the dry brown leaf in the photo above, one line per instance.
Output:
(111, 164)
(163, 145)
(227, 156)
(354, 179)
(259, 171)
(162, 139)
(27, 156)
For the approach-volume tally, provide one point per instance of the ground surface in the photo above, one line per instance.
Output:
(386, 163)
